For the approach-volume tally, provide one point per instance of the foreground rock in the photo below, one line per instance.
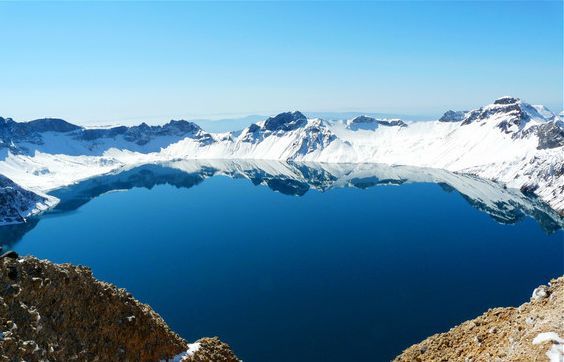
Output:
(532, 332)
(61, 313)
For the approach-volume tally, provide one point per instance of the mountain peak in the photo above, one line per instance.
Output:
(453, 116)
(509, 114)
(506, 100)
(286, 121)
(51, 124)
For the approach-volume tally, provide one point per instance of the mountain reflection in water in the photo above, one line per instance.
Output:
(506, 206)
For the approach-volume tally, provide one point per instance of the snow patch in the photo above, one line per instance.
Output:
(556, 351)
(192, 349)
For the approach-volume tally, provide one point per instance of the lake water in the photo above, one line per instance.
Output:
(303, 262)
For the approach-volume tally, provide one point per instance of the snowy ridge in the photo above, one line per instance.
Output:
(509, 141)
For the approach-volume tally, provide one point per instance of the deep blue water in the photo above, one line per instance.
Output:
(341, 275)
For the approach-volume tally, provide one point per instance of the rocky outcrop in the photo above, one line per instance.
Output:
(207, 350)
(530, 332)
(551, 135)
(17, 203)
(453, 116)
(62, 313)
(143, 133)
(358, 122)
(287, 121)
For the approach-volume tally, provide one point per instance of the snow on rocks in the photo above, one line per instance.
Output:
(556, 351)
(540, 293)
(17, 203)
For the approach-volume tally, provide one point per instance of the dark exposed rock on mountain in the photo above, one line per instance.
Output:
(453, 116)
(357, 122)
(551, 135)
(17, 203)
(144, 133)
(516, 114)
(287, 121)
(49, 124)
(506, 100)
(506, 106)
(61, 313)
(13, 133)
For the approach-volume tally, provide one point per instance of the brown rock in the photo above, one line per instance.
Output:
(500, 334)
(61, 313)
(211, 349)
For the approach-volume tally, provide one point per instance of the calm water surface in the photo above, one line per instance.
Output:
(345, 274)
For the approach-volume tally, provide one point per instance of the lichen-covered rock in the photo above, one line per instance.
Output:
(62, 313)
(210, 349)
(501, 334)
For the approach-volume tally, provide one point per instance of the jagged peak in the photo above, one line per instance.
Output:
(182, 123)
(511, 114)
(286, 121)
(6, 120)
(506, 100)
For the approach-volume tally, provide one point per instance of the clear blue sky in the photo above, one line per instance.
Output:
(116, 62)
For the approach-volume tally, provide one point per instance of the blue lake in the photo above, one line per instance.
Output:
(285, 268)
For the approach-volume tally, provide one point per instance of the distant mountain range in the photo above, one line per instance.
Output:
(518, 145)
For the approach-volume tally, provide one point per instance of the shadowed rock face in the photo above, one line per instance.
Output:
(285, 121)
(453, 116)
(551, 135)
(61, 313)
(143, 133)
(16, 203)
(49, 124)
(506, 100)
(362, 121)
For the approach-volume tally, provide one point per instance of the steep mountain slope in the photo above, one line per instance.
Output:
(511, 142)
(17, 203)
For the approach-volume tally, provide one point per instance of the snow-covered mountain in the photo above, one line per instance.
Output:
(511, 142)
(17, 203)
